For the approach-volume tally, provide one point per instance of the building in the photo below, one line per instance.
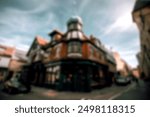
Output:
(35, 69)
(123, 68)
(141, 16)
(135, 73)
(11, 61)
(17, 61)
(71, 60)
(5, 58)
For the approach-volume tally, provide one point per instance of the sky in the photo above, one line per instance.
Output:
(108, 20)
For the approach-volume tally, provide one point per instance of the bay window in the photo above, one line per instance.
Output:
(74, 48)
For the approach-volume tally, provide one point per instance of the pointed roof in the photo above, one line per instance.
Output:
(55, 32)
(38, 40)
(41, 41)
(6, 51)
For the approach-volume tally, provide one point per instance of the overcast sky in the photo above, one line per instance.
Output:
(108, 20)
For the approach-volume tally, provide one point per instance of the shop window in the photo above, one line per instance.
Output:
(49, 75)
(53, 78)
(48, 78)
(53, 74)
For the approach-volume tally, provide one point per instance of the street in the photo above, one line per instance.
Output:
(141, 91)
(107, 93)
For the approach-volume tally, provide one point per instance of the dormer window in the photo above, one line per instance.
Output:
(56, 35)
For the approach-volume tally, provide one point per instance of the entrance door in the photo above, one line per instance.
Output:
(76, 77)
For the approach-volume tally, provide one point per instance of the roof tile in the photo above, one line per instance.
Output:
(41, 41)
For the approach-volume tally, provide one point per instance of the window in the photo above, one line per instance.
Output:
(49, 75)
(69, 35)
(80, 35)
(58, 50)
(75, 26)
(71, 26)
(79, 27)
(74, 34)
(53, 74)
(74, 47)
(97, 43)
(91, 48)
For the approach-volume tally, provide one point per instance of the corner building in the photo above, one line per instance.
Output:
(71, 60)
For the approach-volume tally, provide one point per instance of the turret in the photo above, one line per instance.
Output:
(74, 26)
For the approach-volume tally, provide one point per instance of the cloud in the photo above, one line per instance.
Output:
(16, 41)
(110, 21)
(128, 51)
(118, 17)
(19, 28)
(123, 23)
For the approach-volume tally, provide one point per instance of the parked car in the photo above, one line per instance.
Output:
(121, 80)
(14, 86)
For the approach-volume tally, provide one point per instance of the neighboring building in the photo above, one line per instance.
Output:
(141, 16)
(18, 60)
(5, 58)
(135, 73)
(35, 70)
(71, 60)
(123, 68)
(11, 61)
(35, 52)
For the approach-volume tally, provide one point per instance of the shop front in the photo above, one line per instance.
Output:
(75, 75)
